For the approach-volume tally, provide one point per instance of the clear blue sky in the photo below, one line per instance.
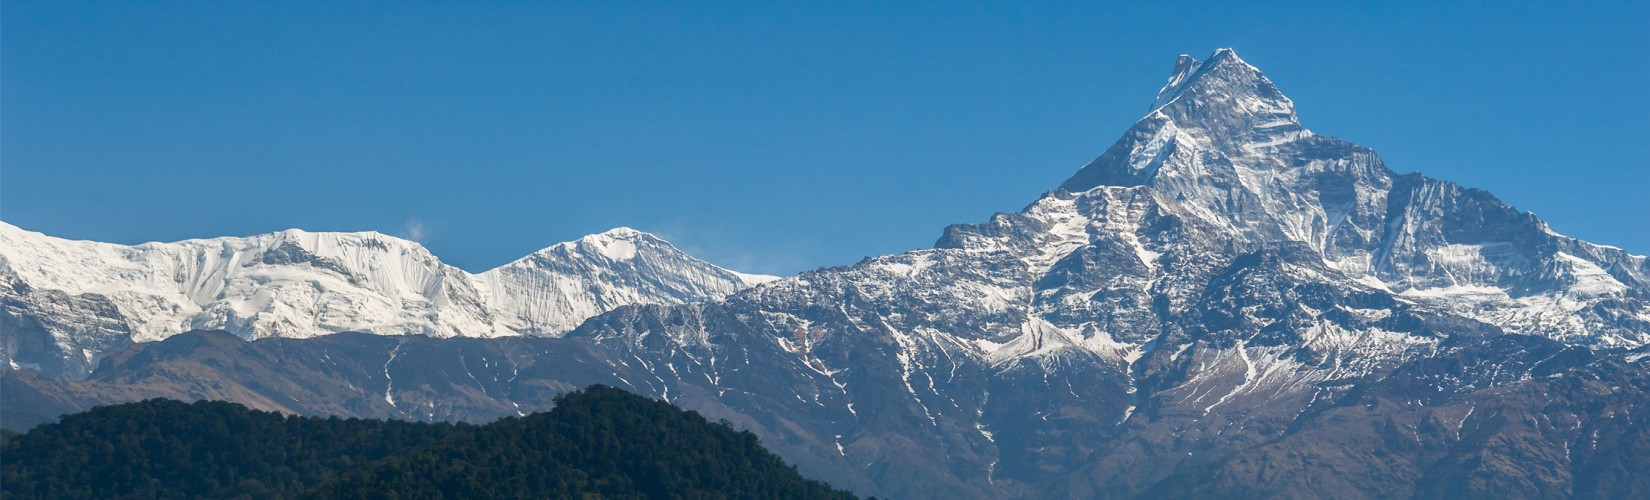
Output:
(765, 138)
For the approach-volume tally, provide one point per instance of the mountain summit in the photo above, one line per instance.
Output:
(1224, 145)
(1222, 104)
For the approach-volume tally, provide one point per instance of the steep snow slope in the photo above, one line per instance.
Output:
(300, 284)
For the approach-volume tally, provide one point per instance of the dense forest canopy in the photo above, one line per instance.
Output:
(598, 442)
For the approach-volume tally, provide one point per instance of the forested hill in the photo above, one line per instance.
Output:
(598, 442)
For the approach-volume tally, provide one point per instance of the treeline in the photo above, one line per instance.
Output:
(598, 442)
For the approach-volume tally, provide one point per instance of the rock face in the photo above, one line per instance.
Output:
(1222, 302)
(66, 304)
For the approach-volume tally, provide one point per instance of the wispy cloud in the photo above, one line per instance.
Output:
(414, 229)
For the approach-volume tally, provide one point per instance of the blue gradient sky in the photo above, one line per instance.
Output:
(765, 138)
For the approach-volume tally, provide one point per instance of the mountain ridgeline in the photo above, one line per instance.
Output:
(65, 305)
(1224, 302)
(598, 442)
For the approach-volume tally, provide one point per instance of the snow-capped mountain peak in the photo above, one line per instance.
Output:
(1219, 270)
(554, 289)
(1222, 86)
(1220, 105)
(1184, 67)
(617, 244)
(84, 299)
(1224, 147)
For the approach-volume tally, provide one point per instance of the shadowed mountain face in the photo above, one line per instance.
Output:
(1222, 302)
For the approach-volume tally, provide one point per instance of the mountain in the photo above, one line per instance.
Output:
(597, 442)
(1223, 302)
(69, 303)
(1219, 279)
